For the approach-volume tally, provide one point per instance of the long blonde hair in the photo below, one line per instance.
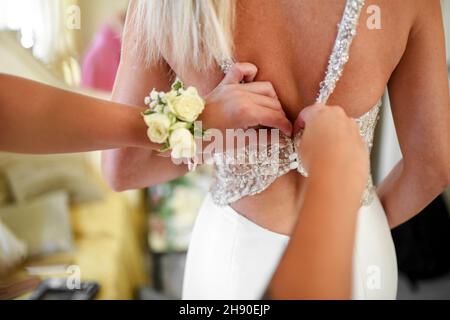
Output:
(194, 33)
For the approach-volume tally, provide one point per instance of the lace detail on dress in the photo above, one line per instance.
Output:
(367, 124)
(249, 171)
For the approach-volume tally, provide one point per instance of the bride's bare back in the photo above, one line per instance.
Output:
(290, 42)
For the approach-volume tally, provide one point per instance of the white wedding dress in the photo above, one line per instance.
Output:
(231, 257)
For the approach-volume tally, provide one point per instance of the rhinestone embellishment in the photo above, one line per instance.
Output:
(340, 54)
(226, 65)
(236, 177)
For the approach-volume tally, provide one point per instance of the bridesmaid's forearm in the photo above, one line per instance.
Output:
(318, 261)
(36, 118)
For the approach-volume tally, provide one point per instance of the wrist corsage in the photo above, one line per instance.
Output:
(170, 119)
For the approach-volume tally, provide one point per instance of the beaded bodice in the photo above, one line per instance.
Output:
(249, 170)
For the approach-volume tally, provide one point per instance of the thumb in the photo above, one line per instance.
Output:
(241, 72)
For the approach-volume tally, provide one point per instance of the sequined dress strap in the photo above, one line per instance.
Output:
(340, 54)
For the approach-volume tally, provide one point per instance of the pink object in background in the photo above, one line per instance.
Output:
(102, 60)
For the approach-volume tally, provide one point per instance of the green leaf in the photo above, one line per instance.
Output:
(180, 125)
(165, 148)
(177, 85)
(147, 112)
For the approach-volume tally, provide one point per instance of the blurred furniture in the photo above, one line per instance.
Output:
(109, 240)
(109, 234)
(109, 244)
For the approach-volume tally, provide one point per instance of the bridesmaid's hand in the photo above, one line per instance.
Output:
(236, 105)
(331, 144)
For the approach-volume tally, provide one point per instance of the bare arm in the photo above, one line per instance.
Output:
(36, 118)
(317, 263)
(419, 96)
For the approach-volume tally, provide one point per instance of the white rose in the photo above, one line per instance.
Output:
(158, 127)
(171, 94)
(191, 91)
(187, 106)
(182, 143)
(179, 125)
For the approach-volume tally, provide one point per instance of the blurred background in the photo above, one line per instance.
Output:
(58, 220)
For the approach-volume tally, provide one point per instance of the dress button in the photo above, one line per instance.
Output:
(293, 165)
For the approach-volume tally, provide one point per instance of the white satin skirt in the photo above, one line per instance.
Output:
(231, 257)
